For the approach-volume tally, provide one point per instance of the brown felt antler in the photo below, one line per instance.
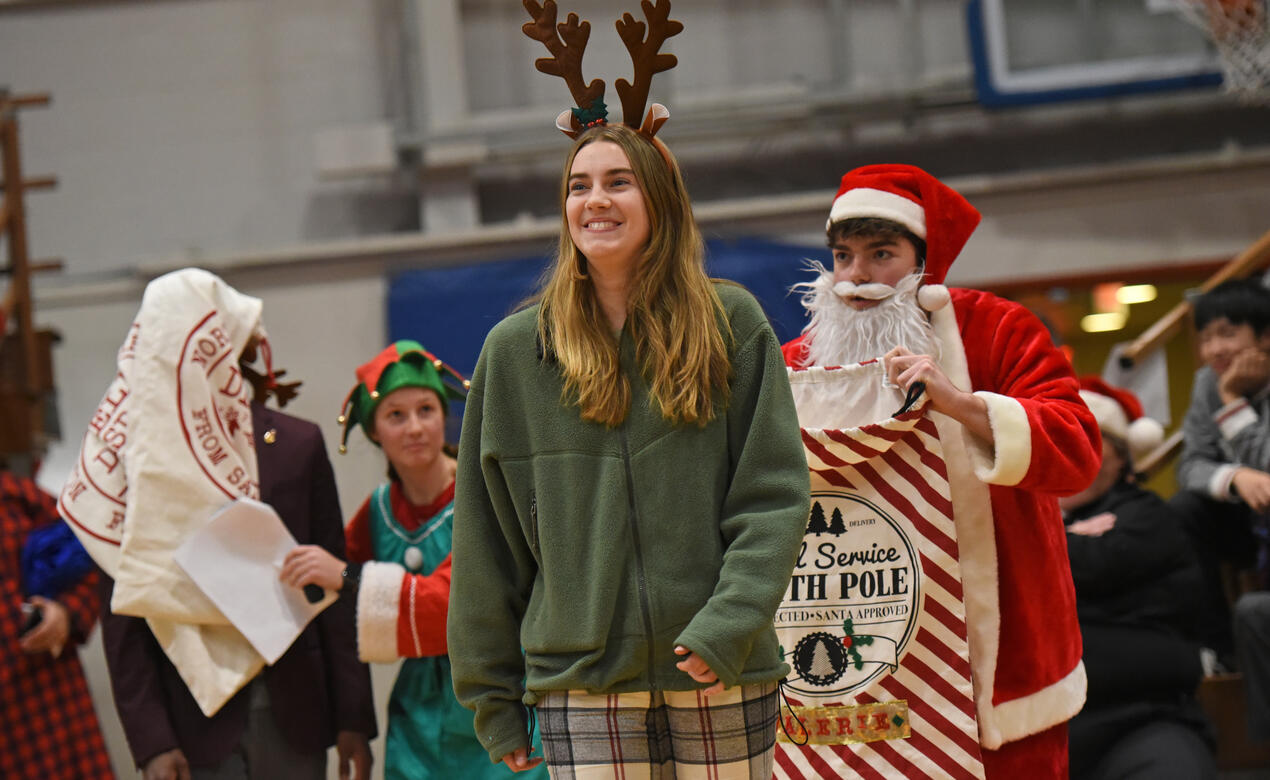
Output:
(647, 60)
(566, 42)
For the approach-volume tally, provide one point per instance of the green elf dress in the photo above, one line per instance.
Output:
(401, 612)
(403, 595)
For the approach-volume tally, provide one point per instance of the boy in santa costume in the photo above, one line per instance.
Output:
(1027, 437)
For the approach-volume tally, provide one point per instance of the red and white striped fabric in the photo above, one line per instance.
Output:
(873, 624)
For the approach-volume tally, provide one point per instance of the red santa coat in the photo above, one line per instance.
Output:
(1020, 603)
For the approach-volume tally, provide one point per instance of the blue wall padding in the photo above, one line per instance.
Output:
(450, 310)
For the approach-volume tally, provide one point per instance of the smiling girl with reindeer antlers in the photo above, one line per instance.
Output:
(631, 488)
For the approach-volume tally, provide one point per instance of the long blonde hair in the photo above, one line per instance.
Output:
(673, 313)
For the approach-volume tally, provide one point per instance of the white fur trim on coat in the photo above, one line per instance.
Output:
(1006, 460)
(972, 514)
(977, 545)
(378, 606)
(976, 540)
(1013, 720)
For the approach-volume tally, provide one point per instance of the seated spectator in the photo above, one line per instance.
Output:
(1136, 594)
(1252, 648)
(50, 729)
(1223, 472)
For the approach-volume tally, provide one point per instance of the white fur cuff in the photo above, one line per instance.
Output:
(1006, 460)
(1011, 721)
(378, 607)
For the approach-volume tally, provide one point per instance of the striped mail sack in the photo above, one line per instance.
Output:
(873, 625)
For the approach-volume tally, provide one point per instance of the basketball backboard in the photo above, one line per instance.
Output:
(1038, 51)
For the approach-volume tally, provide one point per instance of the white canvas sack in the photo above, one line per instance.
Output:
(170, 443)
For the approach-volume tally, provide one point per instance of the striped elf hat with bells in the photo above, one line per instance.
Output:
(403, 364)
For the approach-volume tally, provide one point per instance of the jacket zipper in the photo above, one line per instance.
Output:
(633, 519)
(533, 521)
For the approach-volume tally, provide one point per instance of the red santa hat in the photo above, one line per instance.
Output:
(1119, 415)
(906, 194)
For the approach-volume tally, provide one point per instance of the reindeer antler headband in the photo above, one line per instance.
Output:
(567, 40)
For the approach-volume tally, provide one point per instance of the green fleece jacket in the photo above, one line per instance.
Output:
(597, 549)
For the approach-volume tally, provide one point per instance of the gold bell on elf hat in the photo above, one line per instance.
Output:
(402, 364)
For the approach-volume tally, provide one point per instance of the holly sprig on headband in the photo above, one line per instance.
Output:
(597, 114)
(566, 41)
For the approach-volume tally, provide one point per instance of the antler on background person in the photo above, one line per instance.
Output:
(266, 384)
(646, 58)
(567, 43)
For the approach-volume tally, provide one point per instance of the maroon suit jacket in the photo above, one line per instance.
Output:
(317, 688)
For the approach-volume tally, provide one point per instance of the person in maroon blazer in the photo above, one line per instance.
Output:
(282, 722)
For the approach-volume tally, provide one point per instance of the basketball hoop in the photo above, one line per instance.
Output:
(1241, 32)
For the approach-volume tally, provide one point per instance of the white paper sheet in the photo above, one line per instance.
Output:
(235, 560)
(1148, 379)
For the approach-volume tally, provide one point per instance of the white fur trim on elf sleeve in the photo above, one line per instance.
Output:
(1006, 460)
(1018, 718)
(378, 605)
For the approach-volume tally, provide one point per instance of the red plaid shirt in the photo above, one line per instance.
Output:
(48, 729)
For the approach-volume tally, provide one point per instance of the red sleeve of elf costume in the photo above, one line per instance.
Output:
(1046, 439)
(401, 615)
(425, 602)
(357, 535)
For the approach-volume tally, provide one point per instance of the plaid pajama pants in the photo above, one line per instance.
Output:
(661, 735)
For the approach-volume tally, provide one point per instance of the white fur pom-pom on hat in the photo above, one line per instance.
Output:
(1145, 434)
(1119, 415)
(932, 297)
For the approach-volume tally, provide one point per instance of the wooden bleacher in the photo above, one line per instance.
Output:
(27, 420)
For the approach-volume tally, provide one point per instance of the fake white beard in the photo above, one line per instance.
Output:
(839, 335)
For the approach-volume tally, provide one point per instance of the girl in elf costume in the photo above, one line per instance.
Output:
(399, 570)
